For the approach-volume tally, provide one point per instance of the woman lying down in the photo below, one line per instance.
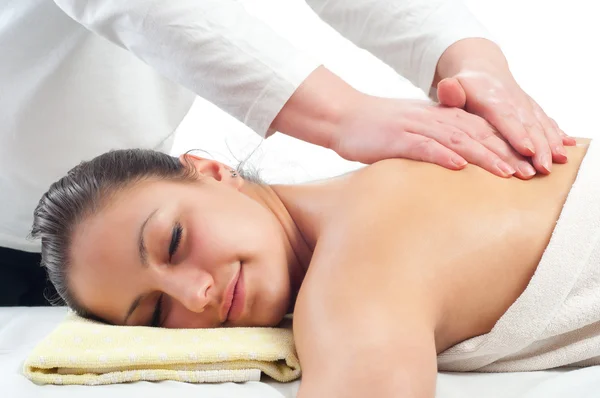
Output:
(392, 272)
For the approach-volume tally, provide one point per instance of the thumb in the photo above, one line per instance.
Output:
(451, 93)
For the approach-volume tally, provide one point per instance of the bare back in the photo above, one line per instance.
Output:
(451, 249)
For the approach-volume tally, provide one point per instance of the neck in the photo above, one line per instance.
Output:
(302, 211)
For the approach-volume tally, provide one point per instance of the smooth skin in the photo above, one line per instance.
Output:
(383, 267)
(438, 266)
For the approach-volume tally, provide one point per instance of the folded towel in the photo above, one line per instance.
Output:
(81, 351)
(556, 320)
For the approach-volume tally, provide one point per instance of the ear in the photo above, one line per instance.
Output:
(212, 169)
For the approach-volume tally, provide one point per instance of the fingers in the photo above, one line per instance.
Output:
(525, 126)
(416, 146)
(554, 139)
(462, 143)
(450, 93)
(503, 117)
(542, 159)
(553, 134)
(490, 138)
(518, 119)
(551, 125)
(566, 140)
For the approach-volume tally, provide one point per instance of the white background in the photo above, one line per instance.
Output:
(552, 48)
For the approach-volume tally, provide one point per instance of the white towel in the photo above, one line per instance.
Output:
(556, 320)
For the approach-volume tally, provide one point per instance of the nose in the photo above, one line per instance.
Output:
(190, 285)
(194, 298)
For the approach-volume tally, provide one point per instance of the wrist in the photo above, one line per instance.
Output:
(471, 55)
(317, 109)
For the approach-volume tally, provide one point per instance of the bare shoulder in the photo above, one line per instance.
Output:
(363, 302)
(353, 324)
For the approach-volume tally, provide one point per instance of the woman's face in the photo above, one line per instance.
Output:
(182, 255)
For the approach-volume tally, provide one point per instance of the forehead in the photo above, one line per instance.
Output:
(115, 225)
(117, 222)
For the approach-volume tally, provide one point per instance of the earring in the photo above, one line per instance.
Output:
(233, 173)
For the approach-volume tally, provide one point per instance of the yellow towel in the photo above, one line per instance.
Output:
(80, 351)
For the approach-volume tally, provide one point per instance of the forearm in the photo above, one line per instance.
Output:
(315, 111)
(471, 54)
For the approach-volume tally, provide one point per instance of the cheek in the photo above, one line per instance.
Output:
(219, 237)
(213, 235)
(269, 287)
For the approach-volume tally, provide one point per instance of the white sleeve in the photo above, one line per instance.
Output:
(408, 35)
(213, 47)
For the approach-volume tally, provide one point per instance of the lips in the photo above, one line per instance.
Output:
(239, 296)
(228, 296)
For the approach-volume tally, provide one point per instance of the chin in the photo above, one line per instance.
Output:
(271, 319)
(276, 319)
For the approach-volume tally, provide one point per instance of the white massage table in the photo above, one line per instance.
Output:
(21, 328)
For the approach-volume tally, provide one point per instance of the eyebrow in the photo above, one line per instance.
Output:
(143, 253)
(141, 245)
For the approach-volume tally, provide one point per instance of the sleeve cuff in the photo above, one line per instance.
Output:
(267, 105)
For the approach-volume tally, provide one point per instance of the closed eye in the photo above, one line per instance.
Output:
(156, 322)
(175, 239)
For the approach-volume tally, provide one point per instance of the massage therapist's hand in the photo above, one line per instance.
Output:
(328, 112)
(380, 128)
(477, 79)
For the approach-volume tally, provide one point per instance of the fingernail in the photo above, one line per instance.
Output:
(560, 150)
(505, 168)
(572, 140)
(529, 146)
(545, 162)
(527, 170)
(459, 162)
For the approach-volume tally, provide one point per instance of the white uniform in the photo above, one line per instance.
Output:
(80, 77)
